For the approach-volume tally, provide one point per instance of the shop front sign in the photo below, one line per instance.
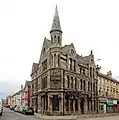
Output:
(103, 100)
(115, 102)
(110, 102)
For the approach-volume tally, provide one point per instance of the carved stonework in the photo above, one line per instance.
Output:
(55, 84)
(55, 74)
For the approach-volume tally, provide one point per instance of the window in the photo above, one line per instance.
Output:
(81, 84)
(44, 65)
(54, 36)
(80, 70)
(58, 60)
(91, 86)
(75, 83)
(74, 65)
(55, 102)
(88, 86)
(71, 82)
(59, 39)
(84, 83)
(68, 80)
(90, 71)
(70, 63)
(44, 50)
(94, 87)
(51, 39)
(93, 73)
(83, 71)
(54, 60)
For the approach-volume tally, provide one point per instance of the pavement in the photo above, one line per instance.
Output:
(79, 117)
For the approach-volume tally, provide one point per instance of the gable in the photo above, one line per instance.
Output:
(46, 45)
(69, 49)
(34, 67)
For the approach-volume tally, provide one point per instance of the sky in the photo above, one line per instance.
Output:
(89, 24)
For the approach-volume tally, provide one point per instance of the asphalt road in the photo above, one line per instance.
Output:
(11, 115)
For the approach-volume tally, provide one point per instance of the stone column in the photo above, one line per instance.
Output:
(48, 79)
(69, 106)
(74, 105)
(79, 108)
(62, 77)
(85, 106)
(48, 104)
(92, 104)
(61, 104)
(39, 103)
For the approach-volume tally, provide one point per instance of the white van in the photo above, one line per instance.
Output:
(1, 108)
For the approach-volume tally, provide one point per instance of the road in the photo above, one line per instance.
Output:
(11, 115)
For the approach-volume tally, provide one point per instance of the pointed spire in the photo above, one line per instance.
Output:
(56, 22)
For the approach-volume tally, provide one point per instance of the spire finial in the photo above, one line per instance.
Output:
(56, 21)
(91, 52)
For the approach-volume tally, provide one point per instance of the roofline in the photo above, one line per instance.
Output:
(105, 76)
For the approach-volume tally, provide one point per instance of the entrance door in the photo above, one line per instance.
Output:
(82, 106)
(55, 103)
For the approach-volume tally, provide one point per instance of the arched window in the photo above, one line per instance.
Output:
(84, 84)
(54, 60)
(68, 81)
(81, 84)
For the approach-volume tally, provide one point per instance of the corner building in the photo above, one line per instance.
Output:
(63, 82)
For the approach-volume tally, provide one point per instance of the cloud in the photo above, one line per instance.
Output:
(8, 88)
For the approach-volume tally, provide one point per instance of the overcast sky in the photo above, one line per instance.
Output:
(89, 24)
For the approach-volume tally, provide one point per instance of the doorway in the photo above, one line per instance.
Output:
(82, 106)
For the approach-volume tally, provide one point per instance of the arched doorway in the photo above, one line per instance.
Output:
(82, 106)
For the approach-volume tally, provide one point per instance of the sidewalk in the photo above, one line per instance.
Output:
(73, 117)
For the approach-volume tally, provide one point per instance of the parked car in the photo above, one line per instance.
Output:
(7, 106)
(21, 109)
(28, 111)
(16, 109)
(1, 108)
(11, 107)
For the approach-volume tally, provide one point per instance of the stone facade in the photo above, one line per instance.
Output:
(63, 82)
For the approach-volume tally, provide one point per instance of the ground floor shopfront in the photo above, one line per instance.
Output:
(64, 104)
(108, 105)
